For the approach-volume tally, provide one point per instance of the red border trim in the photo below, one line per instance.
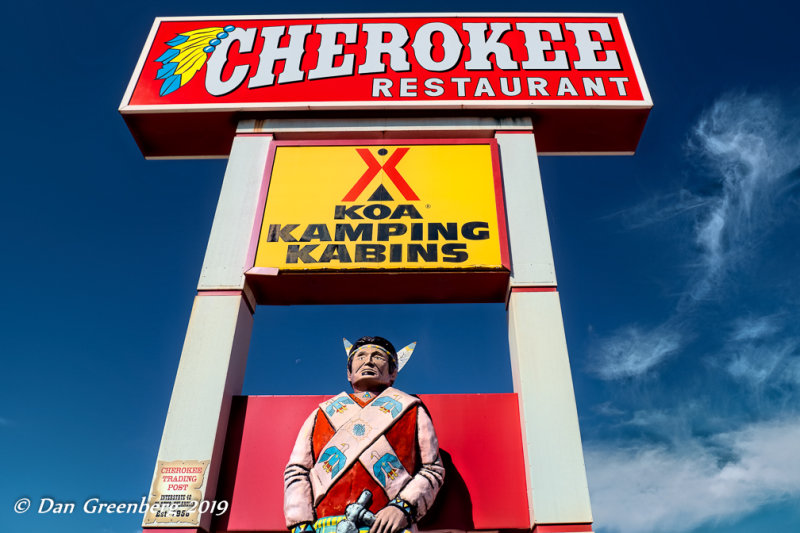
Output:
(387, 140)
(549, 288)
(157, 529)
(219, 293)
(380, 287)
(263, 271)
(500, 204)
(255, 233)
(562, 528)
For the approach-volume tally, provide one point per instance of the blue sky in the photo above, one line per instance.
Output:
(677, 272)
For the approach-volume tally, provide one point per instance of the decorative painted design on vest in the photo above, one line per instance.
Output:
(332, 460)
(387, 466)
(388, 405)
(359, 428)
(338, 405)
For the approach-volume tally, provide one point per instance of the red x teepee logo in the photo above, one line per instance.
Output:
(373, 167)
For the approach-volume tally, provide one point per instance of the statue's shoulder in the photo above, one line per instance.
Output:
(414, 401)
(400, 396)
(336, 402)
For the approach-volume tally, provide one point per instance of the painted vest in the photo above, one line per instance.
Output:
(359, 447)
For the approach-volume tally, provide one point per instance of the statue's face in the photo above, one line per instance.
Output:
(370, 369)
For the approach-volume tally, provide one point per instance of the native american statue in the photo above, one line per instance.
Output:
(372, 449)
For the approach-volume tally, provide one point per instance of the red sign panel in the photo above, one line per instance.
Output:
(277, 63)
(363, 62)
(484, 488)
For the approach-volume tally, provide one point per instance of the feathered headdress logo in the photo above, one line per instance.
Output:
(187, 54)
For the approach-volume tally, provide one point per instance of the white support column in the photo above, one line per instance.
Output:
(528, 234)
(226, 256)
(210, 373)
(555, 471)
(557, 488)
(214, 356)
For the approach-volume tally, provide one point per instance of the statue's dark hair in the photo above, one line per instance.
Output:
(377, 341)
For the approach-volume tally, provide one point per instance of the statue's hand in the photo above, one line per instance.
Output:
(389, 520)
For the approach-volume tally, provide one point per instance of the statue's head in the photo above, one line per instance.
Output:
(371, 364)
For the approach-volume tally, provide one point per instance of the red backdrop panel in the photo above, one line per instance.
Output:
(479, 436)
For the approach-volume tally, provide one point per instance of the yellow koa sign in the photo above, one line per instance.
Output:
(383, 206)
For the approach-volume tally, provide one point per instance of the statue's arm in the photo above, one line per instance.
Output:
(298, 499)
(420, 492)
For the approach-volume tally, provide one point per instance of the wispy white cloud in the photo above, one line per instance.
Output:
(633, 351)
(751, 147)
(748, 147)
(763, 365)
(760, 354)
(673, 425)
(5, 421)
(654, 488)
(755, 328)
(608, 409)
(661, 209)
(791, 373)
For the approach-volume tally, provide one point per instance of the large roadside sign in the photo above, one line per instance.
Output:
(372, 213)
(208, 71)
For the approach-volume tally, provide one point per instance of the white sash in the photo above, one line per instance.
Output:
(360, 436)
